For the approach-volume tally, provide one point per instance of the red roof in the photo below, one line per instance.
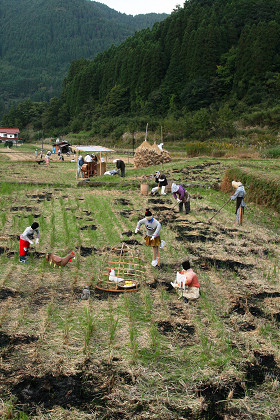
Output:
(9, 130)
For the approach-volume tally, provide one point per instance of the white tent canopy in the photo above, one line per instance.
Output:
(95, 150)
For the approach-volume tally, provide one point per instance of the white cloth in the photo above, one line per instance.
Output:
(88, 158)
(181, 280)
(174, 187)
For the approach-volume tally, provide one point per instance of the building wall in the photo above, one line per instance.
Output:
(5, 136)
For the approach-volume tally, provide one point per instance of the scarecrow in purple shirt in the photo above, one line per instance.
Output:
(182, 196)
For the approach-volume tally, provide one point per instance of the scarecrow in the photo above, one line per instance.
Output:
(120, 165)
(186, 277)
(26, 239)
(240, 203)
(182, 196)
(161, 180)
(152, 238)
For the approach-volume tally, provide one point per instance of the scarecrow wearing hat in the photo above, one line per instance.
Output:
(26, 239)
(161, 180)
(152, 238)
(182, 196)
(240, 203)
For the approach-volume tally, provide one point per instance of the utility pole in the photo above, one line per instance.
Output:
(133, 142)
(42, 142)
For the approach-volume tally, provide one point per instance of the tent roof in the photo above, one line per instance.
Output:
(91, 149)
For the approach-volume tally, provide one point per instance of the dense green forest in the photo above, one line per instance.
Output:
(206, 65)
(40, 38)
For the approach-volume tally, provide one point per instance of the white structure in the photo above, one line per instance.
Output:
(9, 133)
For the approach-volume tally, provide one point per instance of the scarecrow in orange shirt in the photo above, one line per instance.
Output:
(186, 283)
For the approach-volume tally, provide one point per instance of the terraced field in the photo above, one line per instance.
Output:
(147, 354)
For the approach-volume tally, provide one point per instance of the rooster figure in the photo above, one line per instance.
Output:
(59, 261)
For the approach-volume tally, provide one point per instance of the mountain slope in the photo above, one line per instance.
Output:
(39, 38)
(217, 58)
(203, 53)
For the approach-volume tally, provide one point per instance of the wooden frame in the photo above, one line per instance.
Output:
(128, 269)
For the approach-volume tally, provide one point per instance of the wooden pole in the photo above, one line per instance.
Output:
(77, 158)
(219, 210)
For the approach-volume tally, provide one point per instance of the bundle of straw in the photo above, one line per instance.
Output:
(147, 155)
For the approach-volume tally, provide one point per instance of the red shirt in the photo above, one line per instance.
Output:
(191, 278)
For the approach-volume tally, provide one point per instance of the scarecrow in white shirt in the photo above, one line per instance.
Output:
(152, 238)
(26, 239)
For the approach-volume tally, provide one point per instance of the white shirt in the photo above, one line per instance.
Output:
(88, 158)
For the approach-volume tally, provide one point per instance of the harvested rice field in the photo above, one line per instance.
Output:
(145, 354)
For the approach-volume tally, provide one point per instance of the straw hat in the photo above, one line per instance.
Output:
(236, 184)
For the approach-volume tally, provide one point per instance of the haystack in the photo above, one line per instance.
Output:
(147, 155)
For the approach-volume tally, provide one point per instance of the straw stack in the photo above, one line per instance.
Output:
(147, 155)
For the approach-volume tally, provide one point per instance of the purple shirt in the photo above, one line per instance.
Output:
(181, 192)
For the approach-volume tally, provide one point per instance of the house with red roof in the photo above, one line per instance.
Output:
(9, 134)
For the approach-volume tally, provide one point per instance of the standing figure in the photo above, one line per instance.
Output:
(161, 180)
(152, 238)
(80, 164)
(26, 239)
(240, 203)
(36, 153)
(47, 157)
(120, 165)
(182, 196)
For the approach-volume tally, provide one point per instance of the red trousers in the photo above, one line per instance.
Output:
(23, 244)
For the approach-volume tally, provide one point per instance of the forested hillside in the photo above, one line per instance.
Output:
(39, 39)
(212, 59)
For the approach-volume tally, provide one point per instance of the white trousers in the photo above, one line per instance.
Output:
(157, 188)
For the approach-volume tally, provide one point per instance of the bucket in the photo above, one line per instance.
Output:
(144, 189)
(168, 187)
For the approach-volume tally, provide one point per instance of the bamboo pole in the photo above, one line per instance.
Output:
(219, 210)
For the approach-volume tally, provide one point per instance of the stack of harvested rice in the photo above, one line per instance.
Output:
(147, 155)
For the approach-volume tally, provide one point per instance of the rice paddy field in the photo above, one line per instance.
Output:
(145, 354)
